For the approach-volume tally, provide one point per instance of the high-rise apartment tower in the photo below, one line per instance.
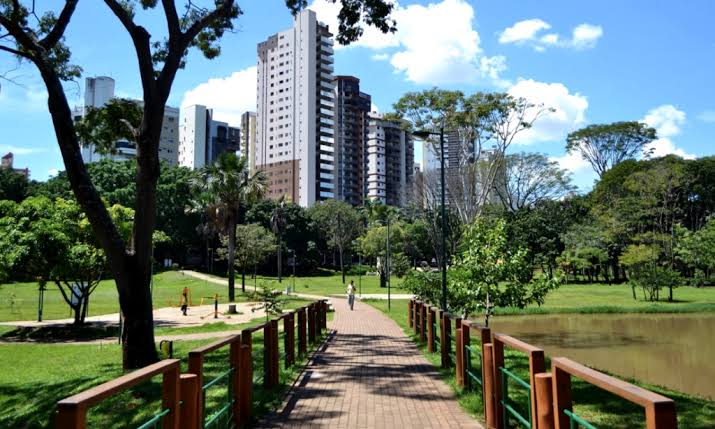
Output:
(295, 143)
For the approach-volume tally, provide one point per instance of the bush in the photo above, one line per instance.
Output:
(652, 278)
(400, 265)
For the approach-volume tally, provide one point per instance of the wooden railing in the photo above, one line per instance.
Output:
(72, 412)
(549, 394)
(183, 394)
(659, 410)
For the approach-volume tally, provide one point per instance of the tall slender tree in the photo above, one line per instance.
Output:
(38, 37)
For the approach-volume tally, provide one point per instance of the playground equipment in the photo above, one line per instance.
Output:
(215, 311)
(184, 297)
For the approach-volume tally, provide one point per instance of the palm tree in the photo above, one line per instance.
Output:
(226, 189)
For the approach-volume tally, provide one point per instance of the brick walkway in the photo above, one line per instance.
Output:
(369, 375)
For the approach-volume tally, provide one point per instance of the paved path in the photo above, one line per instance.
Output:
(369, 375)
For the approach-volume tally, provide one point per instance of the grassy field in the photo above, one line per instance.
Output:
(599, 407)
(52, 372)
(601, 298)
(18, 301)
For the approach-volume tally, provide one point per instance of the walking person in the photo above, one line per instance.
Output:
(351, 295)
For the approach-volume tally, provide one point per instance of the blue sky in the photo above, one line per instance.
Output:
(594, 62)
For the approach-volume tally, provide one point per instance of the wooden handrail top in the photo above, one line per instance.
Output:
(475, 325)
(516, 344)
(284, 315)
(435, 308)
(105, 390)
(215, 345)
(618, 387)
(256, 328)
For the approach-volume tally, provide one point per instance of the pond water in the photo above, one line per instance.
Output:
(671, 350)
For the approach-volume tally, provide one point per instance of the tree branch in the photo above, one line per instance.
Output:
(172, 18)
(14, 52)
(207, 20)
(54, 36)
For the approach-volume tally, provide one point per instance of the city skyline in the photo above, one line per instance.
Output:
(556, 53)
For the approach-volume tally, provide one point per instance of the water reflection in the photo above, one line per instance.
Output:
(676, 351)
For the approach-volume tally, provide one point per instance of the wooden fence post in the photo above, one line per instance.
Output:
(489, 394)
(235, 380)
(325, 316)
(289, 328)
(544, 401)
(465, 343)
(430, 330)
(661, 415)
(69, 416)
(423, 322)
(311, 324)
(245, 391)
(302, 344)
(270, 353)
(196, 366)
(459, 355)
(561, 388)
(190, 401)
(447, 340)
(170, 397)
(498, 361)
(410, 303)
(416, 317)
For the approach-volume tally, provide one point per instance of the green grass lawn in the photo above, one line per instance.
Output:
(18, 301)
(597, 406)
(326, 285)
(601, 298)
(52, 372)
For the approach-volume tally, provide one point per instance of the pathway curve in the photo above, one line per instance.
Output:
(369, 375)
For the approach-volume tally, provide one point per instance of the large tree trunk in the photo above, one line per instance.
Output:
(231, 259)
(280, 259)
(138, 347)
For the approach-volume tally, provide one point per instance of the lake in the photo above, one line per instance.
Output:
(671, 350)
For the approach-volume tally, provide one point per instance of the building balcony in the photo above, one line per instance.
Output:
(327, 68)
(326, 50)
(325, 194)
(327, 185)
(327, 176)
(327, 167)
(326, 139)
(327, 121)
(326, 130)
(326, 148)
(327, 76)
(327, 85)
(325, 40)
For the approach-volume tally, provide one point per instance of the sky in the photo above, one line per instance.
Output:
(592, 62)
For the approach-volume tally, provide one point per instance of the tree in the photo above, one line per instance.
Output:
(254, 244)
(13, 186)
(52, 242)
(490, 272)
(485, 125)
(529, 179)
(32, 36)
(373, 245)
(606, 145)
(340, 223)
(115, 183)
(226, 190)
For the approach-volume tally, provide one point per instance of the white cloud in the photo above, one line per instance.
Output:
(573, 162)
(52, 172)
(668, 122)
(569, 110)
(434, 43)
(586, 35)
(707, 116)
(229, 96)
(374, 108)
(523, 31)
(381, 56)
(530, 32)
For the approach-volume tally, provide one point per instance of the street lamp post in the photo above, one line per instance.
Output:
(387, 264)
(426, 134)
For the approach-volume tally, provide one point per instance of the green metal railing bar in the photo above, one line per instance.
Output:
(576, 421)
(474, 375)
(214, 417)
(508, 409)
(155, 420)
(218, 378)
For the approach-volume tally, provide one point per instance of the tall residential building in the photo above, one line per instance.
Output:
(390, 161)
(351, 122)
(295, 142)
(97, 92)
(248, 138)
(202, 139)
